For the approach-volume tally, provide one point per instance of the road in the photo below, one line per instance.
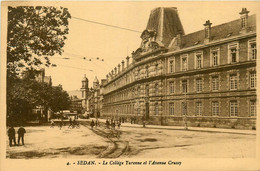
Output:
(100, 142)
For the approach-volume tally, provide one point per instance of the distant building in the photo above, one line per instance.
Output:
(76, 104)
(40, 77)
(207, 78)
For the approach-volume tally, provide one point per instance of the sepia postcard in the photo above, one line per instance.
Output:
(122, 85)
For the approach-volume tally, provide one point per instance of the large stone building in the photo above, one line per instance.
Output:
(207, 78)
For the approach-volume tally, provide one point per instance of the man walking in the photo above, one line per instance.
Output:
(21, 131)
(11, 135)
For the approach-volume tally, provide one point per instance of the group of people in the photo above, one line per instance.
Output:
(113, 123)
(96, 123)
(72, 124)
(11, 134)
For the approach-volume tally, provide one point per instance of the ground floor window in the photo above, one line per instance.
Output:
(184, 108)
(253, 108)
(198, 109)
(215, 108)
(156, 109)
(171, 108)
(233, 108)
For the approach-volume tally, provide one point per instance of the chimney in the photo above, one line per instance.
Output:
(244, 19)
(207, 31)
(118, 68)
(123, 65)
(112, 73)
(115, 70)
(127, 61)
(178, 38)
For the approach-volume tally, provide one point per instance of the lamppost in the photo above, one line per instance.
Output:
(185, 107)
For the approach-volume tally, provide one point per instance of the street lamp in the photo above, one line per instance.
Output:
(185, 116)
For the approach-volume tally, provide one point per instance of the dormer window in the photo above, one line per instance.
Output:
(252, 50)
(233, 53)
(198, 60)
(184, 63)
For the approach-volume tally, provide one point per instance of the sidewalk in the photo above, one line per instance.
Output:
(200, 129)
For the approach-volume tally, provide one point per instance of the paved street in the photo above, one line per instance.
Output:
(127, 142)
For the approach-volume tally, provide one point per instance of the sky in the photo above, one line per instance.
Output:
(91, 40)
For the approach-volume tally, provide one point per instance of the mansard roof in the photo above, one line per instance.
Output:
(218, 32)
(166, 23)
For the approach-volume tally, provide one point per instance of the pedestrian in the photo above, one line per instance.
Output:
(107, 124)
(11, 135)
(92, 124)
(96, 123)
(113, 125)
(21, 131)
(61, 124)
(52, 123)
(70, 123)
(119, 124)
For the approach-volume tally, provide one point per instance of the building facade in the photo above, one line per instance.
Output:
(205, 78)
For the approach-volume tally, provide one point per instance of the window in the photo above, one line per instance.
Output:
(233, 82)
(253, 108)
(156, 69)
(184, 63)
(156, 109)
(171, 87)
(156, 87)
(215, 58)
(233, 53)
(171, 66)
(199, 85)
(171, 108)
(252, 80)
(215, 108)
(82, 94)
(215, 83)
(252, 50)
(233, 108)
(184, 86)
(184, 108)
(198, 108)
(147, 71)
(198, 60)
(147, 90)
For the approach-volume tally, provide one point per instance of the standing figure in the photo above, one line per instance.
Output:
(92, 124)
(96, 123)
(107, 124)
(11, 135)
(21, 131)
(70, 123)
(113, 125)
(61, 124)
(119, 124)
(52, 123)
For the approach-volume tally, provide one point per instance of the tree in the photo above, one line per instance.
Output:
(59, 99)
(34, 34)
(27, 94)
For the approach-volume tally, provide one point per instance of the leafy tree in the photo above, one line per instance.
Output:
(26, 94)
(34, 34)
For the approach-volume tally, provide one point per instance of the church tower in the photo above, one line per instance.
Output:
(84, 90)
(95, 83)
